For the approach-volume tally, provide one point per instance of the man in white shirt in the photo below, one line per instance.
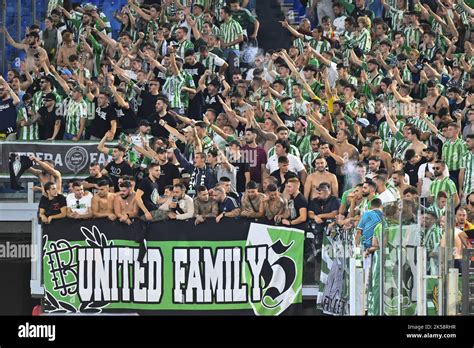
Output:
(180, 206)
(385, 195)
(281, 149)
(339, 18)
(426, 172)
(79, 204)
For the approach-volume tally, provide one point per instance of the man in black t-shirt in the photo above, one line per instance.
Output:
(126, 117)
(161, 108)
(297, 203)
(238, 161)
(149, 96)
(49, 122)
(52, 205)
(286, 116)
(90, 183)
(147, 193)
(169, 171)
(105, 118)
(117, 167)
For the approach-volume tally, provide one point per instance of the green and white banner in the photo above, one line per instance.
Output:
(234, 267)
(333, 295)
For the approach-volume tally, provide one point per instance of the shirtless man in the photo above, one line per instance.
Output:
(275, 206)
(103, 202)
(45, 174)
(267, 134)
(377, 150)
(125, 206)
(434, 100)
(320, 175)
(252, 202)
(341, 145)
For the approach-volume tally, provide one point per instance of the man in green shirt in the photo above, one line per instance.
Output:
(231, 35)
(454, 149)
(246, 20)
(443, 183)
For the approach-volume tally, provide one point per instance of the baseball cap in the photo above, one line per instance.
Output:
(235, 142)
(185, 175)
(144, 123)
(51, 96)
(302, 121)
(431, 148)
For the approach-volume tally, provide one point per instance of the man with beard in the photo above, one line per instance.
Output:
(369, 190)
(275, 206)
(283, 133)
(320, 175)
(254, 155)
(118, 166)
(204, 207)
(149, 97)
(179, 206)
(125, 205)
(105, 118)
(91, 182)
(8, 102)
(46, 87)
(281, 149)
(103, 202)
(323, 208)
(297, 204)
(443, 183)
(169, 171)
(252, 202)
(161, 117)
(377, 150)
(147, 194)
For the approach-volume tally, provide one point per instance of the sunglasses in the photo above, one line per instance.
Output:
(78, 206)
(47, 100)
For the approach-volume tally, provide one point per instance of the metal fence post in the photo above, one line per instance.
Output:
(18, 24)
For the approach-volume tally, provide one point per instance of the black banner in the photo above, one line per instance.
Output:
(70, 158)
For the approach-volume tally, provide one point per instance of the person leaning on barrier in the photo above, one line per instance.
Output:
(274, 205)
(103, 202)
(125, 205)
(147, 194)
(79, 203)
(52, 204)
(204, 206)
(90, 183)
(228, 206)
(297, 203)
(252, 202)
(180, 206)
(324, 207)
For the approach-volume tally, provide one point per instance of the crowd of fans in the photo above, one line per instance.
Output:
(358, 112)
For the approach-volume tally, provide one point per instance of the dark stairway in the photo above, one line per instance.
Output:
(271, 34)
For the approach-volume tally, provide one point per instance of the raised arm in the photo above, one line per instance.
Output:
(292, 30)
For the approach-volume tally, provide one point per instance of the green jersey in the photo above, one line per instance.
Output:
(37, 100)
(293, 151)
(445, 184)
(308, 160)
(184, 46)
(74, 113)
(244, 18)
(453, 151)
(172, 89)
(29, 132)
(301, 142)
(467, 163)
(230, 31)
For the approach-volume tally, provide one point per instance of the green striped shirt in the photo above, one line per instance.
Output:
(172, 89)
(437, 210)
(308, 160)
(26, 132)
(301, 142)
(184, 46)
(445, 184)
(453, 151)
(412, 35)
(364, 40)
(467, 162)
(397, 18)
(400, 146)
(188, 82)
(432, 238)
(230, 31)
(75, 111)
(385, 132)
